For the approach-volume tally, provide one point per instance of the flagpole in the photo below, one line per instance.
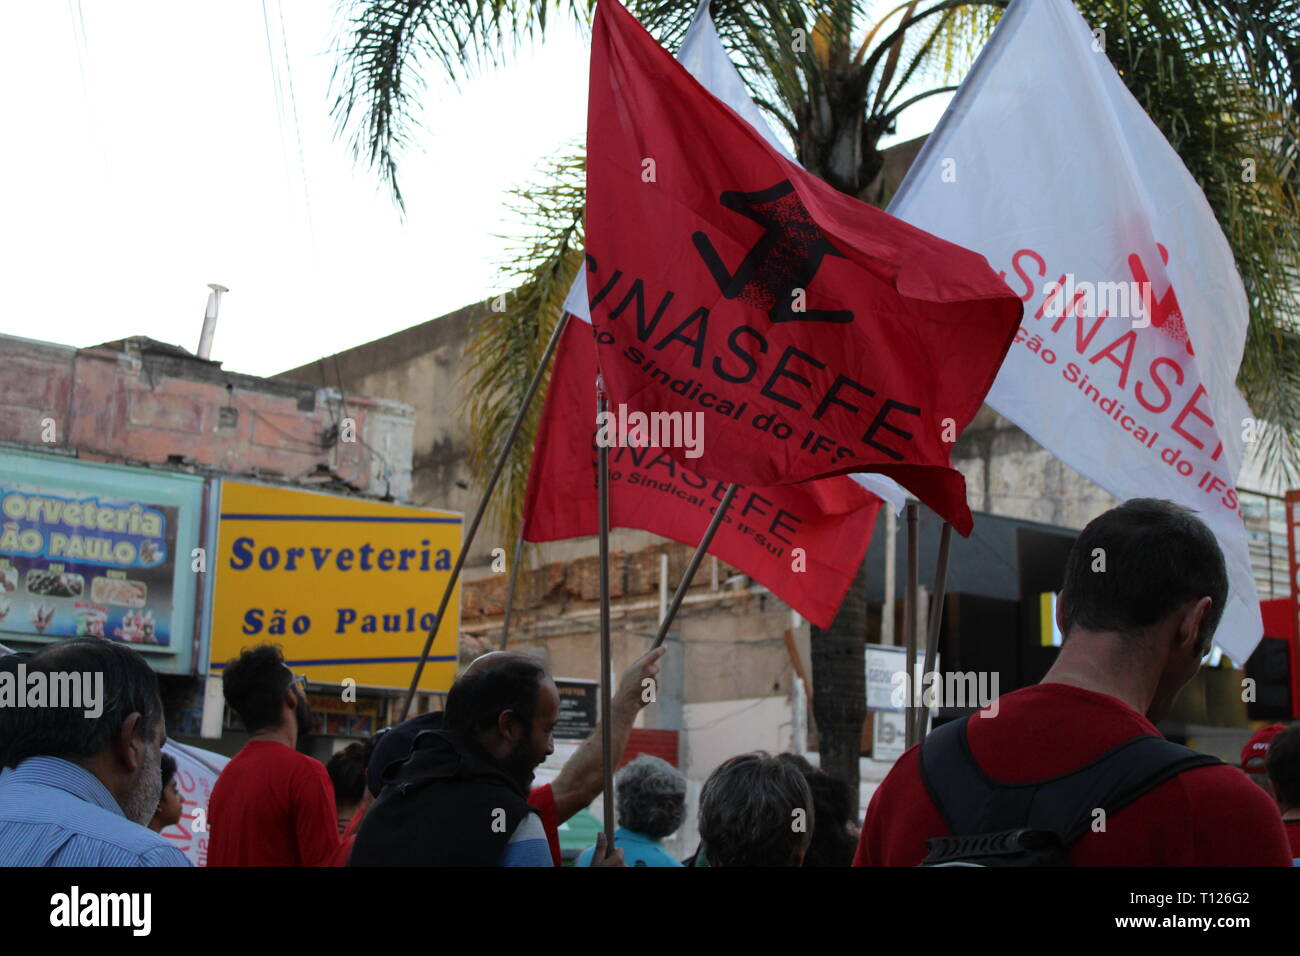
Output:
(935, 618)
(482, 506)
(606, 741)
(910, 623)
(888, 634)
(689, 574)
(510, 588)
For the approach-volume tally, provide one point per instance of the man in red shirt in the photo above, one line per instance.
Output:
(271, 806)
(1283, 762)
(1135, 634)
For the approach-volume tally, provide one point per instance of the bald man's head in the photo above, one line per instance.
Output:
(509, 704)
(492, 659)
(498, 681)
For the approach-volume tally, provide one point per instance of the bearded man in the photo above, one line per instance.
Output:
(271, 805)
(86, 760)
(461, 799)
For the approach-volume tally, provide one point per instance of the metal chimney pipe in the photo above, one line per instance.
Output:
(210, 319)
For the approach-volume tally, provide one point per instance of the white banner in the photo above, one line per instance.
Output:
(1046, 164)
(196, 772)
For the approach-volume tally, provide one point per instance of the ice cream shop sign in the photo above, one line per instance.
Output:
(85, 529)
(347, 586)
(90, 550)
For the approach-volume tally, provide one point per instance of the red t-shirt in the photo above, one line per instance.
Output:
(1210, 816)
(542, 799)
(1293, 834)
(349, 836)
(272, 806)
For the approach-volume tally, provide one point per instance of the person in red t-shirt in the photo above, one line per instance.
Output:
(1283, 764)
(1135, 634)
(271, 805)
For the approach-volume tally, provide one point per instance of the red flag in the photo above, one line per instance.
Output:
(809, 333)
(831, 519)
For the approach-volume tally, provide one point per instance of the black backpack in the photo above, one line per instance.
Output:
(1035, 823)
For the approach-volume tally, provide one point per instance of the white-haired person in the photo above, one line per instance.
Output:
(650, 797)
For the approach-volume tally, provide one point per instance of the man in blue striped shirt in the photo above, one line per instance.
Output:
(86, 774)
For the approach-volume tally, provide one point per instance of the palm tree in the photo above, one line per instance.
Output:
(1221, 78)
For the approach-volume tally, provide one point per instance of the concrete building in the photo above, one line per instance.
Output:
(145, 402)
(162, 414)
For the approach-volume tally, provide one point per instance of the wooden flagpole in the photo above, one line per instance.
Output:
(910, 623)
(689, 574)
(606, 743)
(482, 507)
(935, 618)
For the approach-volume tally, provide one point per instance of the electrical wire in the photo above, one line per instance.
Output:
(275, 89)
(297, 128)
(80, 43)
(234, 400)
(324, 383)
(750, 706)
(343, 402)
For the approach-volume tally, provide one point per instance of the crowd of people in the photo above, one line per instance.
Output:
(1069, 771)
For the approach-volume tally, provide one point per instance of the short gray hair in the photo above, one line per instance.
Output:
(748, 813)
(651, 797)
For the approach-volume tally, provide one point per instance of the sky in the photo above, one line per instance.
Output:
(153, 147)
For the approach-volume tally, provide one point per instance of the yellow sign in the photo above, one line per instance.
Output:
(348, 587)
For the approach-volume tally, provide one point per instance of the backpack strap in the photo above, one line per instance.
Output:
(956, 784)
(1110, 783)
(970, 802)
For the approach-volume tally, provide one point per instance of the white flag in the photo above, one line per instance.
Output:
(1046, 164)
(704, 56)
(196, 774)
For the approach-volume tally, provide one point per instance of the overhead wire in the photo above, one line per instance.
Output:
(297, 128)
(275, 90)
(79, 41)
(78, 18)
(236, 402)
(343, 403)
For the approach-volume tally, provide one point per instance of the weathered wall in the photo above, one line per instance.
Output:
(1008, 473)
(142, 401)
(420, 366)
(725, 643)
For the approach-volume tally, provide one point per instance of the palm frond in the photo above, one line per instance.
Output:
(506, 348)
(1226, 103)
(386, 48)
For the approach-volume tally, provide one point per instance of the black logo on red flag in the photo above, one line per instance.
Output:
(784, 260)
